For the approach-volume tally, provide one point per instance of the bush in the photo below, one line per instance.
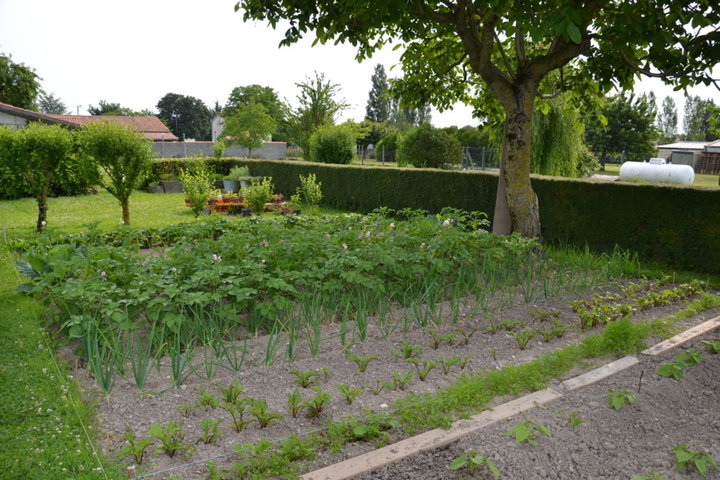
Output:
(332, 144)
(258, 194)
(429, 147)
(197, 187)
(309, 193)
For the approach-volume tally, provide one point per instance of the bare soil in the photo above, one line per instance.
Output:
(128, 408)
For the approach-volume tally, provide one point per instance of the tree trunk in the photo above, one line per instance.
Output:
(125, 203)
(521, 203)
(42, 212)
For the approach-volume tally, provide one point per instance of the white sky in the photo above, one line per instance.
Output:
(134, 52)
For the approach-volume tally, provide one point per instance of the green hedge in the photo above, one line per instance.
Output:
(678, 226)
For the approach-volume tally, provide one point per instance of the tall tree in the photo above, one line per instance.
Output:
(265, 96)
(651, 101)
(122, 153)
(629, 130)
(453, 48)
(378, 104)
(185, 116)
(49, 103)
(318, 106)
(667, 120)
(249, 125)
(19, 85)
(696, 118)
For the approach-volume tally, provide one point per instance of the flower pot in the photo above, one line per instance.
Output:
(172, 186)
(230, 186)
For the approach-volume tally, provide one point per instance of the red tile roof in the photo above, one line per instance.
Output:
(152, 127)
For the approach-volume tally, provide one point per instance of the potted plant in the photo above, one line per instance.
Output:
(232, 182)
(258, 194)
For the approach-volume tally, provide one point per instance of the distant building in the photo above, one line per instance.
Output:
(151, 127)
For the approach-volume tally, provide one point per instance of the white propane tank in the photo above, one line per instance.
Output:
(682, 174)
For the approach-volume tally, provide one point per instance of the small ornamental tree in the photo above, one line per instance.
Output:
(123, 155)
(429, 147)
(38, 153)
(332, 144)
(249, 126)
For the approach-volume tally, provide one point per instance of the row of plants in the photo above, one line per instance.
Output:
(266, 459)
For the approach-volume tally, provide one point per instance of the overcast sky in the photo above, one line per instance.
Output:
(134, 52)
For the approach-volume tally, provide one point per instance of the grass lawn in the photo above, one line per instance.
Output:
(701, 179)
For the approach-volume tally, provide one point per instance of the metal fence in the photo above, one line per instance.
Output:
(480, 158)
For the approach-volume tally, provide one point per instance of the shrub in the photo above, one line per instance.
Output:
(332, 144)
(258, 194)
(429, 147)
(197, 187)
(309, 193)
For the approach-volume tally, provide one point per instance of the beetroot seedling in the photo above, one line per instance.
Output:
(260, 410)
(210, 433)
(295, 403)
(232, 392)
(305, 378)
(237, 411)
(349, 393)
(171, 437)
(318, 403)
(466, 335)
(362, 361)
(423, 369)
(135, 447)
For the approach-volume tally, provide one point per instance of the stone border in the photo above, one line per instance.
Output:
(438, 438)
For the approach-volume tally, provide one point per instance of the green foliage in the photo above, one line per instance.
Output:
(123, 155)
(185, 116)
(429, 147)
(687, 459)
(676, 368)
(309, 193)
(210, 432)
(265, 96)
(332, 144)
(134, 447)
(616, 399)
(219, 148)
(557, 139)
(249, 126)
(651, 476)
(349, 393)
(378, 104)
(317, 404)
(528, 432)
(472, 461)
(574, 419)
(258, 194)
(19, 85)
(712, 346)
(305, 378)
(171, 437)
(260, 410)
(197, 187)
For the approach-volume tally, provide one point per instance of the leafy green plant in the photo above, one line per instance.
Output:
(438, 338)
(362, 361)
(295, 403)
(309, 193)
(423, 369)
(135, 447)
(616, 399)
(349, 393)
(712, 346)
(305, 378)
(315, 405)
(686, 459)
(231, 393)
(447, 363)
(466, 335)
(399, 380)
(676, 368)
(528, 431)
(523, 337)
(472, 461)
(210, 433)
(197, 187)
(260, 410)
(650, 476)
(407, 350)
(574, 419)
(171, 437)
(186, 409)
(237, 411)
(206, 400)
(258, 194)
(378, 387)
(557, 330)
(373, 428)
(326, 374)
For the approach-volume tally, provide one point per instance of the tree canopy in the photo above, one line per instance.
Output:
(185, 116)
(457, 49)
(265, 96)
(667, 120)
(49, 103)
(249, 125)
(379, 103)
(19, 84)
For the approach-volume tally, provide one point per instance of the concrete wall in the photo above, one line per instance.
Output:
(12, 120)
(269, 151)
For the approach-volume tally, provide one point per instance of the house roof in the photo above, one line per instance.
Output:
(152, 127)
(30, 115)
(684, 146)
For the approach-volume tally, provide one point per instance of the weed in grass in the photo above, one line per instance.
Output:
(135, 447)
(528, 432)
(473, 462)
(171, 437)
(315, 405)
(686, 459)
(423, 369)
(210, 433)
(260, 410)
(349, 393)
(574, 419)
(206, 400)
(305, 378)
(373, 428)
(616, 399)
(523, 337)
(407, 350)
(295, 403)
(362, 361)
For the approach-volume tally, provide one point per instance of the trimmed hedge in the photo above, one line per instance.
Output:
(678, 226)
